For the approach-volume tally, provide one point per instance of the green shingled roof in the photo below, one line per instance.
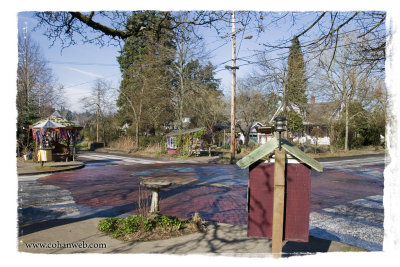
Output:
(270, 146)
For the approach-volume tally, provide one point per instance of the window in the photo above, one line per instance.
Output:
(253, 137)
(172, 142)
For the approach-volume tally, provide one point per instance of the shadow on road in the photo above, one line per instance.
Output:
(29, 228)
(313, 246)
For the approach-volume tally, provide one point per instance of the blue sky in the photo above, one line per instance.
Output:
(77, 67)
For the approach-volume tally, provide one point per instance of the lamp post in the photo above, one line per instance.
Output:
(280, 126)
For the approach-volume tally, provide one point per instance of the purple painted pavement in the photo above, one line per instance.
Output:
(217, 192)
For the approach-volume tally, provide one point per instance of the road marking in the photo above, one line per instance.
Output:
(355, 162)
(37, 202)
(121, 159)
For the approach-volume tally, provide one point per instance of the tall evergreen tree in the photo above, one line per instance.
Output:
(295, 90)
(294, 95)
(146, 79)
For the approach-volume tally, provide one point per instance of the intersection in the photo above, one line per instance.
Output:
(346, 199)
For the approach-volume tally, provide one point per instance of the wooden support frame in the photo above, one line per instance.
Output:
(279, 202)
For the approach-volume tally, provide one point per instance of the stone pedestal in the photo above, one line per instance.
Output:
(155, 186)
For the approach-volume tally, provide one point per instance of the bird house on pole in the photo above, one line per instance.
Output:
(279, 191)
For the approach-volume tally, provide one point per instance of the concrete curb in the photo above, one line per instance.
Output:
(73, 167)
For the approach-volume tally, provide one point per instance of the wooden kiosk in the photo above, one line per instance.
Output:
(279, 192)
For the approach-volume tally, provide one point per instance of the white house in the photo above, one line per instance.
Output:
(315, 115)
(259, 134)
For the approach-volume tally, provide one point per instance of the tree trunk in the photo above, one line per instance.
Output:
(139, 115)
(346, 138)
(98, 114)
(104, 132)
(246, 139)
(137, 134)
(180, 116)
(181, 97)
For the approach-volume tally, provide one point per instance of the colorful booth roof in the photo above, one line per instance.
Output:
(55, 121)
(48, 124)
(55, 127)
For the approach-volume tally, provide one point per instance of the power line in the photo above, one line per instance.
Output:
(83, 63)
(90, 81)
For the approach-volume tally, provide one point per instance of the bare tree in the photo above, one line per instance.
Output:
(253, 105)
(37, 90)
(188, 47)
(111, 27)
(323, 31)
(211, 110)
(347, 83)
(102, 103)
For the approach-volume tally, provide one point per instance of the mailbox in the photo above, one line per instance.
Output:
(261, 191)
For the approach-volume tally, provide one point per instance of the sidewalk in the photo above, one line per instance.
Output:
(220, 239)
(29, 167)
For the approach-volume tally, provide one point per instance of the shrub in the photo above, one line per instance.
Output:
(252, 144)
(108, 225)
(121, 227)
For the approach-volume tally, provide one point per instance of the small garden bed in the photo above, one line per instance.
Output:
(150, 227)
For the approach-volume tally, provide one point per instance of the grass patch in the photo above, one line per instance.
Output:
(50, 168)
(150, 227)
(354, 249)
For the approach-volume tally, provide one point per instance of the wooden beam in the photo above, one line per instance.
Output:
(279, 202)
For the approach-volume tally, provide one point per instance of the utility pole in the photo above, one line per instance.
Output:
(233, 97)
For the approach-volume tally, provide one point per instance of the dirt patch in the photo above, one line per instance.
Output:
(161, 233)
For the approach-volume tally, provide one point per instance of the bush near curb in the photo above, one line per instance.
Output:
(144, 227)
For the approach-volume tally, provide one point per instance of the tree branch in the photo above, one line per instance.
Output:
(88, 20)
(312, 25)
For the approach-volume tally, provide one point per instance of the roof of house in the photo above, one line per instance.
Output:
(181, 132)
(320, 113)
(315, 113)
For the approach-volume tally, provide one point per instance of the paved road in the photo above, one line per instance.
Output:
(355, 214)
(346, 199)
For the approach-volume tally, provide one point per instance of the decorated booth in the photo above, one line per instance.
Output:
(50, 132)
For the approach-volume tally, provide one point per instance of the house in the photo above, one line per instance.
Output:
(192, 140)
(318, 115)
(315, 115)
(259, 134)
